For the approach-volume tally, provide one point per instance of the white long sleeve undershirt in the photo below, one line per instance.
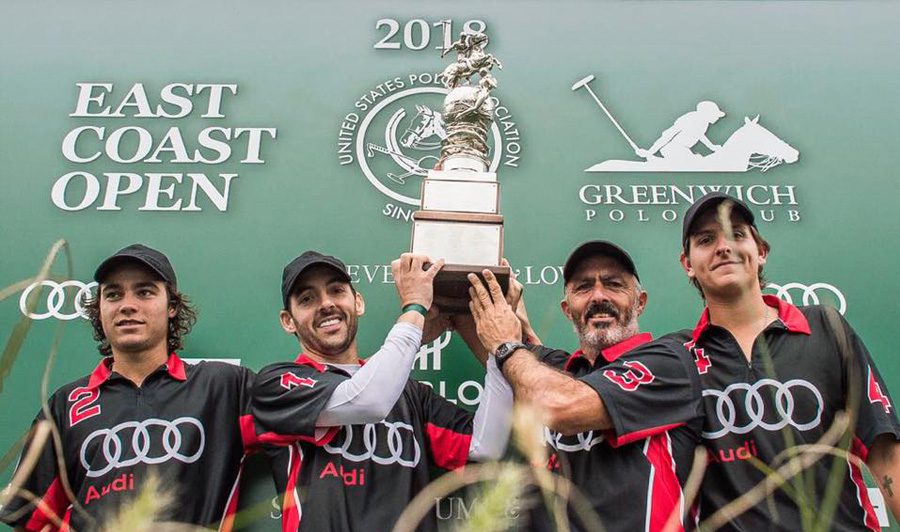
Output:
(374, 387)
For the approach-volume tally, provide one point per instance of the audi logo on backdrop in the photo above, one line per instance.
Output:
(65, 300)
(768, 403)
(814, 294)
(151, 441)
(385, 443)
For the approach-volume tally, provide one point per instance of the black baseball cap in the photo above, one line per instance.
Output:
(153, 259)
(598, 247)
(300, 264)
(711, 201)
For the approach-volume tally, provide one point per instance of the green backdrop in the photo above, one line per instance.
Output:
(316, 83)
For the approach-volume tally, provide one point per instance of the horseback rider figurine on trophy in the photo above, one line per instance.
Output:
(459, 219)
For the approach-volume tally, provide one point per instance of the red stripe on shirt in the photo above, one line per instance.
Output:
(862, 493)
(231, 505)
(290, 508)
(55, 500)
(617, 441)
(450, 449)
(248, 433)
(665, 496)
(289, 439)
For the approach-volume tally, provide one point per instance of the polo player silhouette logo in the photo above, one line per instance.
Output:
(751, 146)
(424, 133)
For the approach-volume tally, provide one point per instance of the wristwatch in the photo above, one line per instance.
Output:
(505, 350)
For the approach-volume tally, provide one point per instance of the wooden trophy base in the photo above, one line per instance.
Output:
(451, 286)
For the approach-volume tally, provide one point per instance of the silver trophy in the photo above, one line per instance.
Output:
(459, 219)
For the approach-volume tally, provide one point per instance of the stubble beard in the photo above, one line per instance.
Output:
(329, 346)
(595, 339)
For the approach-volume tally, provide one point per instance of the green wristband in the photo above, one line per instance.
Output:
(414, 306)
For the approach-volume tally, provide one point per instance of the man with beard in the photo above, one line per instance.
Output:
(622, 412)
(777, 378)
(361, 437)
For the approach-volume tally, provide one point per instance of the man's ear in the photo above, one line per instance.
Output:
(564, 306)
(360, 304)
(287, 322)
(686, 264)
(763, 253)
(642, 302)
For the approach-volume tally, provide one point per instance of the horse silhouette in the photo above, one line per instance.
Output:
(424, 125)
(751, 146)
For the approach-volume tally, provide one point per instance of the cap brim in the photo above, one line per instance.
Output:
(713, 203)
(109, 264)
(292, 279)
(598, 247)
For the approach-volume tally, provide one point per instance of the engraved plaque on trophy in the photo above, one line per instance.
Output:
(459, 219)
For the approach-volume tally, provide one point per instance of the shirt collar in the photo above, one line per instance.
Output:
(788, 314)
(174, 367)
(614, 351)
(305, 359)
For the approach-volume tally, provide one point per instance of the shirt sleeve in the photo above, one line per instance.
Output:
(448, 428)
(369, 395)
(648, 390)
(286, 401)
(490, 431)
(45, 483)
(552, 357)
(864, 386)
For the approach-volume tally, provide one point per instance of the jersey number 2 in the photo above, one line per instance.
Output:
(630, 379)
(82, 410)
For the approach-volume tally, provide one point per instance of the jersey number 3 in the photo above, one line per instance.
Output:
(630, 379)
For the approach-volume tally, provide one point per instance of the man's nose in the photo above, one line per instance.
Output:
(724, 244)
(599, 293)
(326, 303)
(128, 304)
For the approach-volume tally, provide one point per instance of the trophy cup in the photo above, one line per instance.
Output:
(459, 219)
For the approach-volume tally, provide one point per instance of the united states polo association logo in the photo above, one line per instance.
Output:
(394, 137)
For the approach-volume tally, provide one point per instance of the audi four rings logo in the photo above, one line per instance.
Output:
(585, 441)
(384, 443)
(152, 441)
(57, 298)
(810, 294)
(767, 415)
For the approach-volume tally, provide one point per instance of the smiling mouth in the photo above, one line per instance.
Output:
(329, 322)
(717, 266)
(601, 317)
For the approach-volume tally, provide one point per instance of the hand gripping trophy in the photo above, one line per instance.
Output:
(459, 219)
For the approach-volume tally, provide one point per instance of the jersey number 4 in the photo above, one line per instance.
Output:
(630, 379)
(289, 380)
(876, 395)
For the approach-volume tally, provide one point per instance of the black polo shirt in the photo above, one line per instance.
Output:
(633, 474)
(187, 424)
(798, 378)
(355, 477)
